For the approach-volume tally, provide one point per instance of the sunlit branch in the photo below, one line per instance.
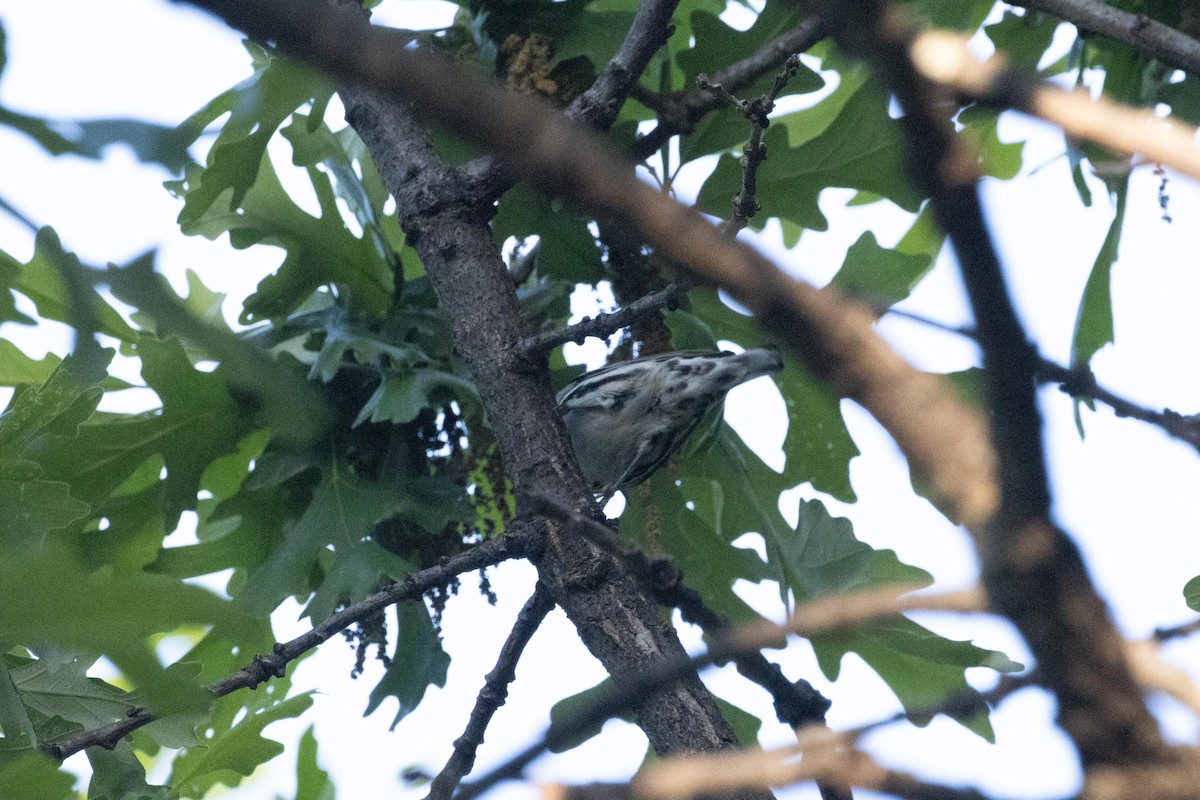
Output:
(827, 757)
(944, 58)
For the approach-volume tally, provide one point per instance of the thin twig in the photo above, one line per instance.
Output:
(264, 667)
(492, 695)
(603, 325)
(1177, 631)
(757, 111)
(1080, 382)
(680, 116)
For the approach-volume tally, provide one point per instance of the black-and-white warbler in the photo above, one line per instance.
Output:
(626, 419)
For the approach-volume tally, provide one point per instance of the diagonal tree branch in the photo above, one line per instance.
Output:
(492, 695)
(603, 325)
(1161, 41)
(798, 704)
(265, 667)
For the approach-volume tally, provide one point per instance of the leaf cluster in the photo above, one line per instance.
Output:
(330, 441)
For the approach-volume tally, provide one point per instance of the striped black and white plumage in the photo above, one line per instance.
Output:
(626, 419)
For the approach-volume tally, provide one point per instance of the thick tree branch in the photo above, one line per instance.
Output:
(445, 224)
(492, 695)
(265, 667)
(1034, 574)
(1150, 36)
(615, 621)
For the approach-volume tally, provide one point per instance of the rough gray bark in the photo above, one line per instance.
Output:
(616, 622)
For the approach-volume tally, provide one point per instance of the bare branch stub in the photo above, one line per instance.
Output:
(604, 325)
(757, 111)
(680, 116)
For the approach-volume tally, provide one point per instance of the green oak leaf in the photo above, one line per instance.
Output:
(48, 596)
(665, 517)
(817, 447)
(1023, 38)
(63, 689)
(963, 15)
(228, 758)
(312, 782)
(15, 723)
(404, 393)
(43, 279)
(343, 512)
(921, 667)
(418, 663)
(567, 248)
(1191, 593)
(202, 420)
(1094, 322)
(257, 107)
(318, 250)
(879, 276)
(847, 140)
